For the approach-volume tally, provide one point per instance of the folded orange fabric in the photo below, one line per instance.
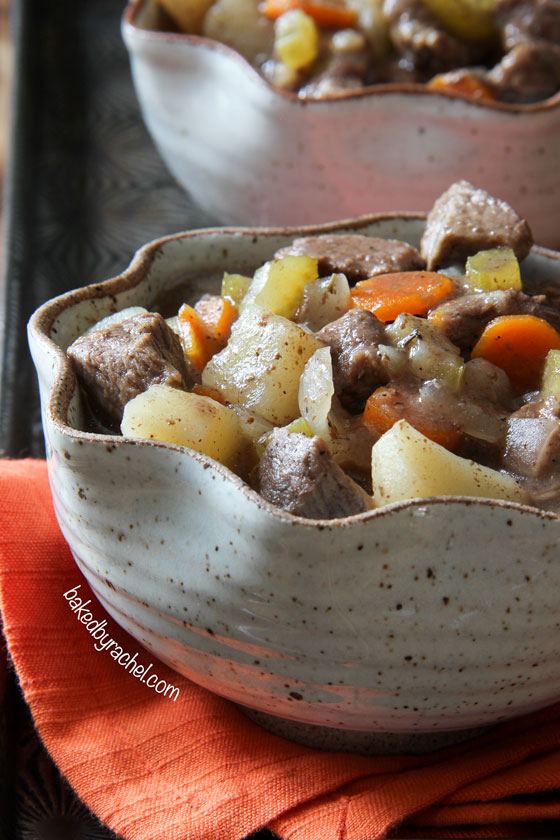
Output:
(153, 768)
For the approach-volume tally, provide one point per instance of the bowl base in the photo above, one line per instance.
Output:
(365, 743)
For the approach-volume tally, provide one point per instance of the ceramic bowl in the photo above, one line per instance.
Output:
(402, 626)
(250, 154)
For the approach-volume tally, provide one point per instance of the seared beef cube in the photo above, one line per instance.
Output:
(115, 363)
(533, 440)
(297, 473)
(520, 21)
(358, 368)
(529, 72)
(465, 220)
(418, 36)
(356, 256)
(463, 319)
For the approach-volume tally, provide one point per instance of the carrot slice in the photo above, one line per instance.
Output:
(415, 292)
(518, 344)
(328, 14)
(465, 84)
(389, 404)
(196, 343)
(206, 328)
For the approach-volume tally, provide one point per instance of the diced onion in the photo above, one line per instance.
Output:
(316, 390)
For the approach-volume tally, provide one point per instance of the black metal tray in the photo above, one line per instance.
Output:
(85, 187)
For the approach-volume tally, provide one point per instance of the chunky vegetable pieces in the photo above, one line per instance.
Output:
(505, 50)
(345, 374)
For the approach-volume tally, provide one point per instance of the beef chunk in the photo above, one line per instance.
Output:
(465, 220)
(115, 363)
(464, 318)
(520, 21)
(529, 72)
(347, 66)
(419, 38)
(533, 440)
(356, 256)
(358, 368)
(298, 474)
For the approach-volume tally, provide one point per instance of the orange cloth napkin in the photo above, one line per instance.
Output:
(196, 768)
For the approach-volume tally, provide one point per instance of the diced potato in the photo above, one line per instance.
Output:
(296, 39)
(316, 391)
(431, 355)
(497, 268)
(261, 365)
(407, 465)
(551, 375)
(278, 285)
(240, 24)
(187, 14)
(469, 20)
(235, 286)
(188, 419)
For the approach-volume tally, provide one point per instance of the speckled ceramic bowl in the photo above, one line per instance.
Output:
(407, 624)
(250, 154)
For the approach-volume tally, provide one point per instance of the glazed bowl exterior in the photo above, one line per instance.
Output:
(421, 617)
(250, 154)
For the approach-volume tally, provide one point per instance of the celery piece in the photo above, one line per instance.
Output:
(280, 288)
(550, 386)
(296, 39)
(496, 268)
(301, 426)
(470, 20)
(234, 286)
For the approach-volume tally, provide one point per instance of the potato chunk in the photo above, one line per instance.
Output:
(173, 416)
(261, 365)
(240, 25)
(407, 465)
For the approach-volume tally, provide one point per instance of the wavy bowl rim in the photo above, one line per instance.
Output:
(130, 28)
(64, 381)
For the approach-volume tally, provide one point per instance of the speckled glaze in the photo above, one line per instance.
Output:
(250, 154)
(417, 620)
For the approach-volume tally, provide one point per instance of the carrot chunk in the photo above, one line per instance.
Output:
(206, 328)
(218, 314)
(462, 83)
(415, 292)
(195, 340)
(389, 404)
(518, 344)
(328, 14)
